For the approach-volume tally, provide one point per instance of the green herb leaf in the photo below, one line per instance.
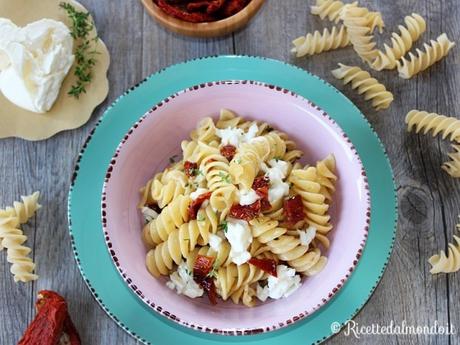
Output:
(223, 226)
(201, 218)
(225, 177)
(213, 272)
(82, 25)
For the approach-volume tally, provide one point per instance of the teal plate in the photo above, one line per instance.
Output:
(93, 259)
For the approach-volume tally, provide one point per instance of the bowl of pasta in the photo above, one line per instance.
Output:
(235, 207)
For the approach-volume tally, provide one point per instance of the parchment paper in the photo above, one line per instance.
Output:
(67, 112)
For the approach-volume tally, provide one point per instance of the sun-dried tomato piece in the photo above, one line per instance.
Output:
(201, 268)
(261, 185)
(247, 212)
(293, 210)
(196, 204)
(228, 151)
(47, 297)
(194, 17)
(232, 7)
(48, 325)
(209, 6)
(266, 265)
(190, 168)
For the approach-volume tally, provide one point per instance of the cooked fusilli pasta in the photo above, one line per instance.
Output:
(317, 42)
(362, 81)
(448, 127)
(452, 167)
(442, 263)
(235, 204)
(400, 43)
(434, 52)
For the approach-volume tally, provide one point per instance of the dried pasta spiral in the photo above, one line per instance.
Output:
(228, 119)
(357, 22)
(305, 183)
(26, 209)
(446, 264)
(181, 241)
(448, 126)
(215, 168)
(317, 42)
(170, 218)
(265, 229)
(332, 10)
(434, 52)
(400, 43)
(17, 253)
(164, 188)
(365, 84)
(326, 176)
(223, 198)
(232, 281)
(452, 167)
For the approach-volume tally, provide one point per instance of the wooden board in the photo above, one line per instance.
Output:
(429, 199)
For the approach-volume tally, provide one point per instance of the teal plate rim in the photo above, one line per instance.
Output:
(263, 70)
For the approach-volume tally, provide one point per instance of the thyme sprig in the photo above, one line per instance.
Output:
(85, 52)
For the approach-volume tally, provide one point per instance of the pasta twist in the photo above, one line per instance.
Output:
(419, 120)
(205, 131)
(223, 199)
(434, 52)
(452, 167)
(164, 188)
(446, 264)
(215, 168)
(13, 240)
(170, 218)
(358, 22)
(265, 229)
(232, 281)
(228, 119)
(318, 42)
(288, 248)
(326, 176)
(305, 183)
(221, 258)
(400, 43)
(26, 209)
(365, 84)
(332, 10)
(181, 241)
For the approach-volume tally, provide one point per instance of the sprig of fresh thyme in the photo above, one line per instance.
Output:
(85, 56)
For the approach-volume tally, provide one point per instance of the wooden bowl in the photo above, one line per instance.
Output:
(211, 29)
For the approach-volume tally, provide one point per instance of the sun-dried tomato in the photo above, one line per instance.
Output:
(293, 210)
(190, 168)
(196, 204)
(194, 17)
(48, 325)
(209, 6)
(261, 185)
(266, 265)
(228, 151)
(201, 268)
(232, 7)
(247, 212)
(47, 298)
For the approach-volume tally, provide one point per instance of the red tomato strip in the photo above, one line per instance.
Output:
(228, 151)
(261, 185)
(196, 204)
(194, 17)
(201, 268)
(293, 210)
(266, 265)
(247, 212)
(190, 168)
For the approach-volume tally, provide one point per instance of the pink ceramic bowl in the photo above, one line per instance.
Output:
(156, 137)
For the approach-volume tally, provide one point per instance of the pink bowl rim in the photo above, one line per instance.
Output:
(233, 331)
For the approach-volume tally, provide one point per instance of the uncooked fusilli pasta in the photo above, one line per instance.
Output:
(362, 81)
(400, 43)
(434, 52)
(317, 42)
(452, 167)
(442, 263)
(234, 208)
(448, 127)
